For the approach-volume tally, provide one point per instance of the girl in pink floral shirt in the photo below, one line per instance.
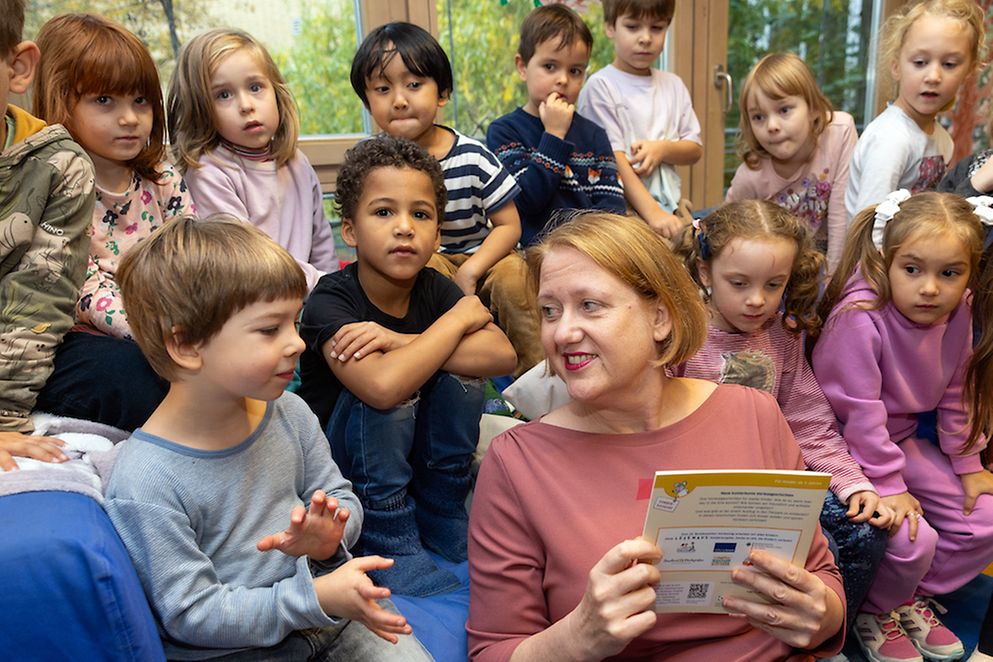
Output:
(98, 79)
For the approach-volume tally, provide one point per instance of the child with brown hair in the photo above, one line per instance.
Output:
(796, 149)
(201, 492)
(99, 80)
(647, 114)
(900, 311)
(562, 161)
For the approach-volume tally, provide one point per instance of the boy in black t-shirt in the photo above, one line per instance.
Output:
(393, 366)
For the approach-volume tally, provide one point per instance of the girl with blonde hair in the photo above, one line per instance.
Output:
(927, 50)
(234, 128)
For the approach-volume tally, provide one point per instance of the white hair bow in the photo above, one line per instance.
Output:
(885, 211)
(982, 206)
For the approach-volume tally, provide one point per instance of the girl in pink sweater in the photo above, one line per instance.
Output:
(897, 342)
(753, 259)
(234, 127)
(795, 148)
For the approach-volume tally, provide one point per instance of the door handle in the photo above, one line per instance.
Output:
(723, 81)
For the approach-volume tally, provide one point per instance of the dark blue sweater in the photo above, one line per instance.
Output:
(556, 175)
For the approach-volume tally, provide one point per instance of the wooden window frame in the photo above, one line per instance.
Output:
(326, 153)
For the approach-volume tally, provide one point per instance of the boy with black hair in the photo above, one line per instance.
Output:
(46, 203)
(647, 113)
(394, 365)
(404, 78)
(561, 160)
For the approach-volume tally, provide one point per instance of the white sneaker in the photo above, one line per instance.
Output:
(929, 635)
(883, 640)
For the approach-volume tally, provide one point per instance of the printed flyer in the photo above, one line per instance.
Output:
(707, 522)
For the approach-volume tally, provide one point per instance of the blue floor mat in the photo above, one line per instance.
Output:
(439, 621)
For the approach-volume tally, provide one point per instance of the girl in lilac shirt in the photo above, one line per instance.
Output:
(898, 342)
(234, 126)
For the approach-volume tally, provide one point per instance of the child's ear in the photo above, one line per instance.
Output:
(703, 268)
(443, 99)
(662, 326)
(23, 62)
(521, 66)
(182, 353)
(895, 71)
(348, 232)
(609, 29)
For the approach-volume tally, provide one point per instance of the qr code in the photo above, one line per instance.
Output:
(698, 591)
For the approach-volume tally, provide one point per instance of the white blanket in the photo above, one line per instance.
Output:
(89, 446)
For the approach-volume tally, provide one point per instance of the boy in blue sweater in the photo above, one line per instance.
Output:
(561, 160)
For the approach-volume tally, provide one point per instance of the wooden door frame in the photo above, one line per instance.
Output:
(698, 43)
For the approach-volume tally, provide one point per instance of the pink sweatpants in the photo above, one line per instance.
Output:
(950, 550)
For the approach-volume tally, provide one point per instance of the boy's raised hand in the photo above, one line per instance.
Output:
(360, 339)
(556, 115)
(647, 155)
(315, 532)
(347, 592)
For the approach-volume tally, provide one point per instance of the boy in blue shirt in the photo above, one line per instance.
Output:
(561, 160)
(393, 366)
(404, 78)
(201, 492)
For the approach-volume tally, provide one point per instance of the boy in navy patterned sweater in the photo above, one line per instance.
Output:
(561, 160)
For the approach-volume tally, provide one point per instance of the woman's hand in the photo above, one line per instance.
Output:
(974, 484)
(866, 506)
(803, 612)
(46, 449)
(619, 599)
(904, 505)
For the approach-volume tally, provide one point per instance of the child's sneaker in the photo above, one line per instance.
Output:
(883, 639)
(930, 636)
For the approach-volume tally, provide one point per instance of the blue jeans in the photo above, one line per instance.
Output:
(380, 450)
(104, 379)
(347, 641)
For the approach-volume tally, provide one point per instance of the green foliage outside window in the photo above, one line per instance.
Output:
(481, 38)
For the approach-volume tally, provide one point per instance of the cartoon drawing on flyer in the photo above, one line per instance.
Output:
(664, 501)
